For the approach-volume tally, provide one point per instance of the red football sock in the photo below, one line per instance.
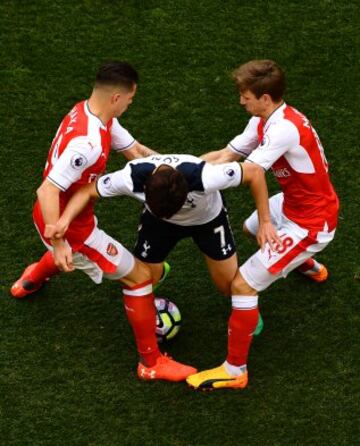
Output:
(140, 311)
(242, 324)
(308, 264)
(45, 268)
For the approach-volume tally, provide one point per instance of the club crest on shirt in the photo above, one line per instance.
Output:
(112, 250)
(106, 181)
(229, 171)
(78, 161)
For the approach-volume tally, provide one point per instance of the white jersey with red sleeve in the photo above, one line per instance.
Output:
(288, 144)
(78, 155)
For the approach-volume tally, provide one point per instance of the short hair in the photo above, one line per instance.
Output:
(165, 191)
(261, 77)
(117, 73)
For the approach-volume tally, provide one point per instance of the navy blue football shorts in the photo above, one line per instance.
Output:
(156, 238)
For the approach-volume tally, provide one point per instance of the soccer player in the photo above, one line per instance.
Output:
(182, 199)
(305, 213)
(78, 155)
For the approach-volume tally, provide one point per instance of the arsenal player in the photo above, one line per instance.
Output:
(78, 155)
(280, 138)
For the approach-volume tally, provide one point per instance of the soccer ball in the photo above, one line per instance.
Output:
(168, 319)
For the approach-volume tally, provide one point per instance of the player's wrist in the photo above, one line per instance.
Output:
(56, 242)
(264, 221)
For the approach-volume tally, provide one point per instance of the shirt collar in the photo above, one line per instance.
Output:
(275, 115)
(90, 114)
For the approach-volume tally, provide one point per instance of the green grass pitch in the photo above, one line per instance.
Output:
(67, 357)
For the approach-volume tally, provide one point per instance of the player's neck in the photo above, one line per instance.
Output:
(98, 109)
(271, 109)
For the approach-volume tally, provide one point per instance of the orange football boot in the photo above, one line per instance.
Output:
(24, 286)
(320, 276)
(165, 368)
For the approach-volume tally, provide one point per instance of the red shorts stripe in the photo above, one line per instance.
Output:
(310, 239)
(99, 259)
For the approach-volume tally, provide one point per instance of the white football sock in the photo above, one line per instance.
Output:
(235, 370)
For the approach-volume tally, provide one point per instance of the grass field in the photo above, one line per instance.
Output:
(67, 359)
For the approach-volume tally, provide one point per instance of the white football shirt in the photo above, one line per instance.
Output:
(203, 202)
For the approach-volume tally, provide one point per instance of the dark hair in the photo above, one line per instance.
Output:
(261, 77)
(117, 73)
(165, 191)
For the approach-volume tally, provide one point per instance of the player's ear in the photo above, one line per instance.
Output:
(115, 97)
(267, 99)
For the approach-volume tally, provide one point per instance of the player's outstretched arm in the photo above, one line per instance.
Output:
(138, 151)
(220, 156)
(77, 203)
(254, 176)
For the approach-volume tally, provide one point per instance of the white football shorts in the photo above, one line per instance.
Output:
(106, 254)
(299, 244)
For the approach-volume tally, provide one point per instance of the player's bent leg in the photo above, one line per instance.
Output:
(313, 270)
(156, 270)
(222, 272)
(34, 276)
(159, 272)
(140, 273)
(240, 286)
(156, 238)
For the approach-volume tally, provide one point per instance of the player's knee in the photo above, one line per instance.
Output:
(156, 270)
(239, 286)
(144, 272)
(223, 282)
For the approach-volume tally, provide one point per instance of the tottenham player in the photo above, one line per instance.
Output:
(78, 155)
(305, 212)
(182, 199)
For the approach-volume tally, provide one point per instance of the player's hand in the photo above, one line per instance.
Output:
(62, 255)
(267, 234)
(56, 231)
